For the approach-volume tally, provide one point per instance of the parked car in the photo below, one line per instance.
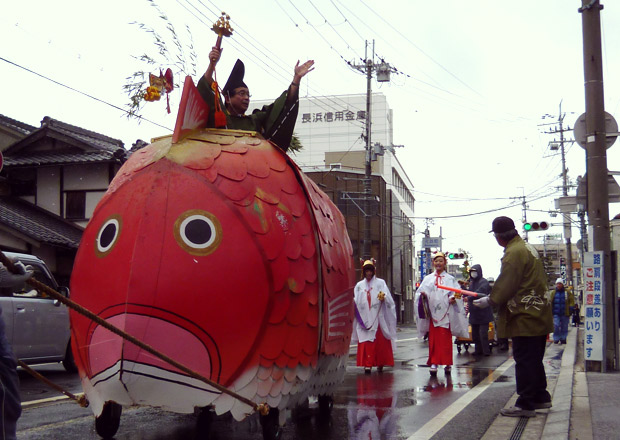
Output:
(37, 326)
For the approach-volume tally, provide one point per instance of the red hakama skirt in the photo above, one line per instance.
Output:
(439, 346)
(377, 353)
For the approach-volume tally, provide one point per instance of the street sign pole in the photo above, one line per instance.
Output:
(596, 163)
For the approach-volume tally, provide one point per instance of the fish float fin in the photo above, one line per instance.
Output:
(193, 111)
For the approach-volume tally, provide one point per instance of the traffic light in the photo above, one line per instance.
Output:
(535, 226)
(456, 255)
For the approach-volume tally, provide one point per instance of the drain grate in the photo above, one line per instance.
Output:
(516, 434)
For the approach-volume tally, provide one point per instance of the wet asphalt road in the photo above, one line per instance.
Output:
(391, 405)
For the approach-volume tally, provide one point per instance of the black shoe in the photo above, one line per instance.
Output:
(563, 341)
(542, 405)
(556, 342)
(515, 411)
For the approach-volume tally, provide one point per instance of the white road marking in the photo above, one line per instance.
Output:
(442, 419)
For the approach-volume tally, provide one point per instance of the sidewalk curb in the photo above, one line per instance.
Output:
(557, 424)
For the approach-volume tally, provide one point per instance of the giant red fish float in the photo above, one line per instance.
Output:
(217, 251)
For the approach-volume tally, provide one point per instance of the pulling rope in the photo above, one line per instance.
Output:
(262, 408)
(81, 400)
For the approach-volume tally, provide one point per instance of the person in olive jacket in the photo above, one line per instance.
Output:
(524, 315)
(479, 318)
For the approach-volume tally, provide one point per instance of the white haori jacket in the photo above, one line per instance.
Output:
(376, 314)
(438, 300)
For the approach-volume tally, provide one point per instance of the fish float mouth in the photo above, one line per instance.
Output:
(165, 332)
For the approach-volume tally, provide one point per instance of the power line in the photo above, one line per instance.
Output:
(347, 20)
(85, 94)
(422, 51)
(330, 25)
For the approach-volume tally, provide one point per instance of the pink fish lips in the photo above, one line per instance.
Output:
(110, 352)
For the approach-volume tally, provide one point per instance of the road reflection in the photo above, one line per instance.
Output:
(438, 387)
(374, 416)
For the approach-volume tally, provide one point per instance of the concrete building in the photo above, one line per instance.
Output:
(553, 253)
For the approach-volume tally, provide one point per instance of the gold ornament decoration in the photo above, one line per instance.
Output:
(222, 26)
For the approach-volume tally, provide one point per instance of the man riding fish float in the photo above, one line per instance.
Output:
(275, 122)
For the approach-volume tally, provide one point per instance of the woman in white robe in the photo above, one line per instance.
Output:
(438, 305)
(375, 324)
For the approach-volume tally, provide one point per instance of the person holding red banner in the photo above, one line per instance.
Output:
(434, 303)
(375, 324)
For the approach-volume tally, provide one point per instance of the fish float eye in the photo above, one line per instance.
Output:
(198, 232)
(108, 236)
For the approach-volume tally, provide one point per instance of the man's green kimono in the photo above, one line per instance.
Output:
(275, 122)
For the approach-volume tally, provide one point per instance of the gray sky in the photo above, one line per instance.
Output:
(477, 77)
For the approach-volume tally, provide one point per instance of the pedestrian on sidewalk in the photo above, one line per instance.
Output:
(524, 315)
(375, 324)
(479, 318)
(576, 316)
(435, 303)
(563, 303)
(11, 407)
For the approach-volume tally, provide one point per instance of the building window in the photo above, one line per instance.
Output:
(23, 182)
(75, 205)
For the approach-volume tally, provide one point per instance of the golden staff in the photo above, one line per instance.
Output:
(222, 28)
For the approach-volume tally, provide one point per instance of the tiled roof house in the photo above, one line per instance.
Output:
(52, 178)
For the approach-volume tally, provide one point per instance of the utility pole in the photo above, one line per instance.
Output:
(524, 207)
(596, 164)
(427, 250)
(368, 169)
(565, 215)
(368, 67)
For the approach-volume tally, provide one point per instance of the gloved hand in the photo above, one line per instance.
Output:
(21, 269)
(8, 279)
(482, 303)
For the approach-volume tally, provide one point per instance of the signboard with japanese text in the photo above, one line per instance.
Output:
(594, 306)
(333, 116)
(423, 265)
(431, 242)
